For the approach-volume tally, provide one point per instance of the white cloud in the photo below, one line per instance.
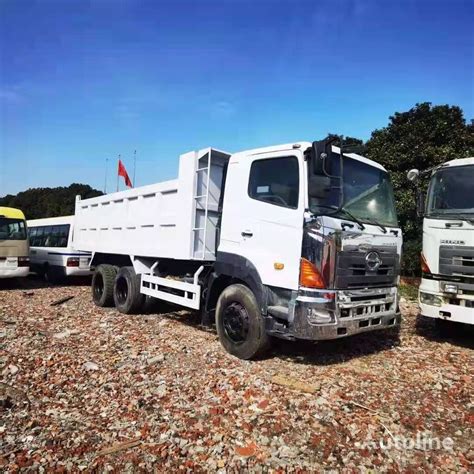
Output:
(10, 94)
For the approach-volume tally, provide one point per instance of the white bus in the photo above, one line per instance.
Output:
(52, 252)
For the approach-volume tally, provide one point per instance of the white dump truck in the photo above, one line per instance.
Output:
(447, 260)
(295, 241)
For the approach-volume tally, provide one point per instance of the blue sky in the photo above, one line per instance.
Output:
(82, 81)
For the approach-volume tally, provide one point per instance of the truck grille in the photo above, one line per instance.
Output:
(352, 270)
(456, 260)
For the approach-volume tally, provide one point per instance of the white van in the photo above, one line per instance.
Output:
(52, 252)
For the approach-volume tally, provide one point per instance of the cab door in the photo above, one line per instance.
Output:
(263, 214)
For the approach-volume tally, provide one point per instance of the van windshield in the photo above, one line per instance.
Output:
(364, 191)
(12, 229)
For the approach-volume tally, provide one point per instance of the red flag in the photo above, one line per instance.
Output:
(123, 172)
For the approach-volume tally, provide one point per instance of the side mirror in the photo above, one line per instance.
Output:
(320, 152)
(420, 203)
(319, 186)
(413, 175)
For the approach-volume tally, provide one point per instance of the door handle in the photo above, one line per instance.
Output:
(246, 233)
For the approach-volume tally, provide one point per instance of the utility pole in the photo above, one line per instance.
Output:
(134, 166)
(106, 169)
(118, 174)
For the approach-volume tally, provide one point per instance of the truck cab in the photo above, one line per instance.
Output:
(322, 249)
(447, 260)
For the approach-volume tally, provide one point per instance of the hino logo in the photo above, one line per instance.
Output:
(373, 261)
(453, 242)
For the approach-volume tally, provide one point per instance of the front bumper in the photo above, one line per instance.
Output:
(460, 312)
(438, 304)
(323, 314)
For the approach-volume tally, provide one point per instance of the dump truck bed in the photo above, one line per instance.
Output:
(173, 219)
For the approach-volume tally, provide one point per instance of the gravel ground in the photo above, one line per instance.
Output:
(85, 388)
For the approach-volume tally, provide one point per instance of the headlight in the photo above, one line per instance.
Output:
(450, 288)
(432, 300)
(320, 316)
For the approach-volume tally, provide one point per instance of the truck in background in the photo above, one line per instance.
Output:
(447, 260)
(52, 252)
(14, 250)
(297, 241)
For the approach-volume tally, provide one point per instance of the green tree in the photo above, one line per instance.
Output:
(422, 137)
(49, 202)
(355, 145)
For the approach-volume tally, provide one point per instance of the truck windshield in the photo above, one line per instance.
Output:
(364, 191)
(12, 229)
(450, 192)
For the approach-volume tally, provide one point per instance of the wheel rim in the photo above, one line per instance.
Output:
(121, 290)
(98, 286)
(235, 320)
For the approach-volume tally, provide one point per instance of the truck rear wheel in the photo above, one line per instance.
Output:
(103, 285)
(240, 324)
(127, 296)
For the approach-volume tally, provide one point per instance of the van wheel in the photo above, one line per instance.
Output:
(240, 324)
(103, 285)
(127, 296)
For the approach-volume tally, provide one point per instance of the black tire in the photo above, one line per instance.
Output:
(240, 324)
(102, 286)
(127, 296)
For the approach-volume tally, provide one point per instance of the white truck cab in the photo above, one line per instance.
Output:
(296, 241)
(447, 284)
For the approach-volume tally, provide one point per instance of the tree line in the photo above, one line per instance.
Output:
(49, 202)
(422, 137)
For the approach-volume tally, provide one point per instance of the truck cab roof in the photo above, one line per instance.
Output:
(303, 145)
(460, 162)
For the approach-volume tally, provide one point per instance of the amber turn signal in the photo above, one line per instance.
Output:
(310, 276)
(424, 265)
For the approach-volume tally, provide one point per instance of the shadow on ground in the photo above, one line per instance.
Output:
(458, 334)
(34, 282)
(335, 351)
(306, 352)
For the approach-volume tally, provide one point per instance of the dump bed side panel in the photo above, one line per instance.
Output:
(138, 222)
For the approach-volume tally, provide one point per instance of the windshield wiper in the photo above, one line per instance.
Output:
(468, 217)
(378, 224)
(346, 212)
(464, 216)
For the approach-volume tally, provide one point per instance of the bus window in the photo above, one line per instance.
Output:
(36, 241)
(49, 236)
(63, 235)
(12, 229)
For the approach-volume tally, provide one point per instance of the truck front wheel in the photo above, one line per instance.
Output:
(103, 285)
(127, 296)
(240, 324)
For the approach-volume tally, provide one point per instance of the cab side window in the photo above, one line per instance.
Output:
(275, 181)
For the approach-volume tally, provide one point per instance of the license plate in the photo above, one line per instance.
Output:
(11, 262)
